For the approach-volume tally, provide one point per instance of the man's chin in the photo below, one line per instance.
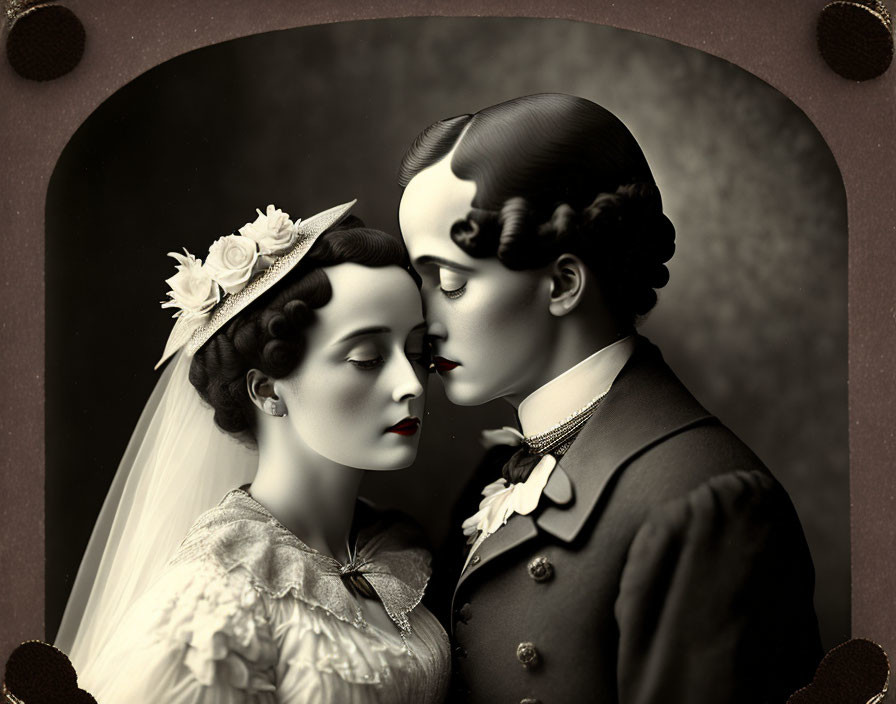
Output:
(466, 394)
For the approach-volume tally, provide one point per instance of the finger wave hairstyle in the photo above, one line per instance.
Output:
(269, 335)
(557, 174)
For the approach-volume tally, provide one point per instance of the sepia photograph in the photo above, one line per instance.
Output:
(472, 250)
(363, 357)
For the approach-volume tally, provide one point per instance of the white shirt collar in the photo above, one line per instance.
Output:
(574, 389)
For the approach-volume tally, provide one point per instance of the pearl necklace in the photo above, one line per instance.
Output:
(563, 432)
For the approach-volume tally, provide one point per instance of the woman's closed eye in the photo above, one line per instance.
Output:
(365, 357)
(452, 283)
(367, 363)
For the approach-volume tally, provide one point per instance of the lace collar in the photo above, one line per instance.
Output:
(240, 533)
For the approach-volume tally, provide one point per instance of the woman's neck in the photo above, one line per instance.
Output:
(310, 495)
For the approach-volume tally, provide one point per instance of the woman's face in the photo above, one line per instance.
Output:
(491, 326)
(357, 397)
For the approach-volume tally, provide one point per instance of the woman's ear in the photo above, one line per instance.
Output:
(568, 276)
(261, 392)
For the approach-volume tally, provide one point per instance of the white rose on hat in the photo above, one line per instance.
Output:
(231, 261)
(192, 289)
(274, 232)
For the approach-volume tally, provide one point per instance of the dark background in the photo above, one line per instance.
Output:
(753, 320)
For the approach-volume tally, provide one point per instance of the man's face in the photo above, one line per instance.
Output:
(492, 329)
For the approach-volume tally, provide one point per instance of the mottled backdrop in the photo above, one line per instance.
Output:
(754, 318)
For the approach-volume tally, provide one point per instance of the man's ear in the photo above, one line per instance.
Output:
(568, 278)
(260, 387)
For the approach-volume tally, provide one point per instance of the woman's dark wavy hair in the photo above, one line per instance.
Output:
(557, 174)
(269, 335)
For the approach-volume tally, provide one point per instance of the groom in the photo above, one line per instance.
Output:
(632, 549)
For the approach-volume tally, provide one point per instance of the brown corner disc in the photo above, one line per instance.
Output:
(45, 42)
(855, 38)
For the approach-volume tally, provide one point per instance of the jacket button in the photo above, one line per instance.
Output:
(541, 569)
(464, 613)
(475, 560)
(460, 652)
(527, 655)
(530, 700)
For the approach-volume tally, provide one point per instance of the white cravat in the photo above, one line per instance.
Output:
(545, 408)
(501, 501)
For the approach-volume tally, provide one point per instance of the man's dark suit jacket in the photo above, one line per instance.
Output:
(664, 564)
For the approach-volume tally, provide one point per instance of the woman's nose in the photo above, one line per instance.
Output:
(407, 382)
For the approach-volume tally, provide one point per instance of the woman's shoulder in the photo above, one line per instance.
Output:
(198, 626)
(236, 519)
(240, 532)
(239, 521)
(201, 584)
(220, 619)
(241, 539)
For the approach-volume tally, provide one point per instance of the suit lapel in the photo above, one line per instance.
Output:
(518, 530)
(646, 404)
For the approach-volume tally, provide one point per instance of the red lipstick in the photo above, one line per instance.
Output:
(408, 426)
(443, 366)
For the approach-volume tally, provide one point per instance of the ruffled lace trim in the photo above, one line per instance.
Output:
(241, 533)
(321, 644)
(223, 624)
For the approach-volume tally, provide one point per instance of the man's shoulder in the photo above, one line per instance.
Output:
(655, 438)
(693, 456)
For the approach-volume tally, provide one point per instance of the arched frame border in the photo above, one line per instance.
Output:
(771, 39)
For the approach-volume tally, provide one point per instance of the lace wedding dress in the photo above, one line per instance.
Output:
(246, 612)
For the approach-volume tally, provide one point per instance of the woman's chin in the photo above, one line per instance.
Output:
(394, 458)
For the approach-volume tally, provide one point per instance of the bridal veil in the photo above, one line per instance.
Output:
(177, 465)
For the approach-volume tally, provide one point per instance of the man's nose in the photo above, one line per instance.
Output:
(437, 330)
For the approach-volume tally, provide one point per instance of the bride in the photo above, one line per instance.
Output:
(305, 343)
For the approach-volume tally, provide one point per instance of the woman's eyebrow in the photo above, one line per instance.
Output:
(375, 330)
(429, 259)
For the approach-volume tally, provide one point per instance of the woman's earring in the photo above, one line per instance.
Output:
(274, 407)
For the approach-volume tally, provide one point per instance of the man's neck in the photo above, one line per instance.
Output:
(572, 344)
(575, 390)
